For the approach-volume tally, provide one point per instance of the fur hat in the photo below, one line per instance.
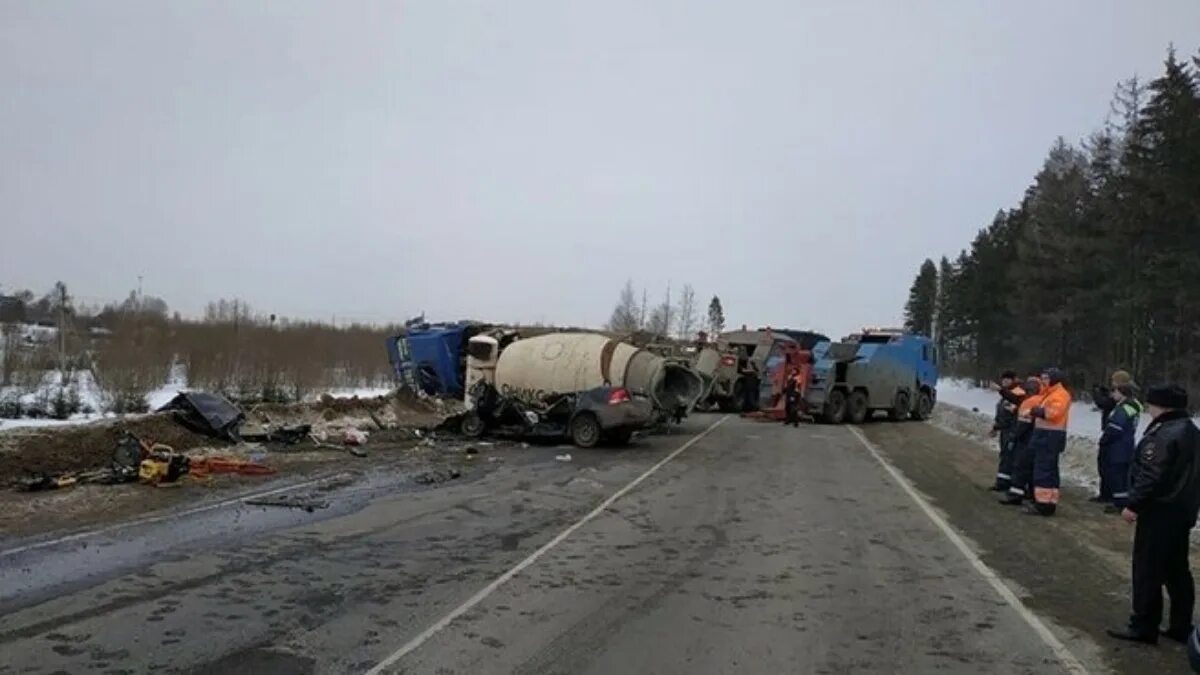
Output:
(1120, 377)
(1169, 396)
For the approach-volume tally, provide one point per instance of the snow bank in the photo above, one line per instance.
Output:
(1077, 463)
(1084, 420)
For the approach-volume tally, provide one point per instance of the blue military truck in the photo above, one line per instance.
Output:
(878, 369)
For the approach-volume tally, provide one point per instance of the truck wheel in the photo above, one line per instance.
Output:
(472, 426)
(924, 407)
(856, 408)
(835, 407)
(737, 397)
(900, 408)
(585, 430)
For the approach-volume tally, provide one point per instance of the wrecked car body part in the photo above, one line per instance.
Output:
(559, 363)
(206, 413)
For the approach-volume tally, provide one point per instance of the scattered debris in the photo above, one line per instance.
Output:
(306, 502)
(285, 434)
(563, 458)
(206, 413)
(41, 482)
(354, 436)
(436, 476)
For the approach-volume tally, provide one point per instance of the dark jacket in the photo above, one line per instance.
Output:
(1104, 400)
(1117, 439)
(1166, 466)
(1006, 408)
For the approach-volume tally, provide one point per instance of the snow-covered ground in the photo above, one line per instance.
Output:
(975, 407)
(1084, 419)
(91, 397)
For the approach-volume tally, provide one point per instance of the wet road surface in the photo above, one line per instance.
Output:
(757, 548)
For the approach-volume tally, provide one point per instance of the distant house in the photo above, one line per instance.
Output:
(12, 309)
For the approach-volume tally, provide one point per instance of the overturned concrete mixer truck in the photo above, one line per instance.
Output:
(584, 386)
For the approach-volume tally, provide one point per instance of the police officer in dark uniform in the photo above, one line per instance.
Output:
(1164, 498)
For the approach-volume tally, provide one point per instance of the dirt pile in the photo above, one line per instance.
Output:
(67, 449)
(56, 450)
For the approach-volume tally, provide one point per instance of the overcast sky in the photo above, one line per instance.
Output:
(521, 160)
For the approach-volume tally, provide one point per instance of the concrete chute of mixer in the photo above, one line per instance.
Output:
(557, 363)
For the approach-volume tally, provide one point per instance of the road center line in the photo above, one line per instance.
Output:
(1068, 660)
(499, 581)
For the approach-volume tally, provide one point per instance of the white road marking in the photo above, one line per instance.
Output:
(499, 581)
(167, 516)
(1068, 660)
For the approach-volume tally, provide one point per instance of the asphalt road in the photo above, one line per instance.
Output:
(746, 547)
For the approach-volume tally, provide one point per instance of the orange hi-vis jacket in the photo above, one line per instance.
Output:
(1057, 404)
(1025, 410)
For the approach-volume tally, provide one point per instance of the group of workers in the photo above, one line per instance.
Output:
(1031, 420)
(1153, 482)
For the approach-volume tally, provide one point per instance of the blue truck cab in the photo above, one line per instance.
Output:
(876, 370)
(431, 357)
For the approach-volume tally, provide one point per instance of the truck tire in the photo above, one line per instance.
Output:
(736, 399)
(835, 407)
(924, 407)
(856, 408)
(901, 407)
(585, 430)
(472, 425)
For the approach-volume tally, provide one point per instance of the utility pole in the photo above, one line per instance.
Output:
(62, 328)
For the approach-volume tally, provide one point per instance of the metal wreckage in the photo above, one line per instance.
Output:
(587, 387)
(590, 387)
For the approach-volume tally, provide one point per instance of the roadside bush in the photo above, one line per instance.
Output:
(10, 404)
(65, 401)
(136, 358)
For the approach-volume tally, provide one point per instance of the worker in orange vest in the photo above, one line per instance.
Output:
(1021, 486)
(1048, 441)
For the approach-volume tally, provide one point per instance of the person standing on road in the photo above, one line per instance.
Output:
(791, 397)
(1021, 486)
(1116, 445)
(1011, 395)
(1106, 400)
(1164, 498)
(1048, 440)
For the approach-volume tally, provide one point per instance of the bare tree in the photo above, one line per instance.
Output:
(626, 316)
(662, 317)
(686, 319)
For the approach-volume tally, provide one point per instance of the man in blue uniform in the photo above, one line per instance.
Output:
(1116, 445)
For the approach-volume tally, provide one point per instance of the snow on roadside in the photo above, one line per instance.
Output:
(1078, 462)
(352, 392)
(970, 411)
(1084, 419)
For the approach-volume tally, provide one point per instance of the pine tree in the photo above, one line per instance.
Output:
(1097, 266)
(922, 300)
(716, 316)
